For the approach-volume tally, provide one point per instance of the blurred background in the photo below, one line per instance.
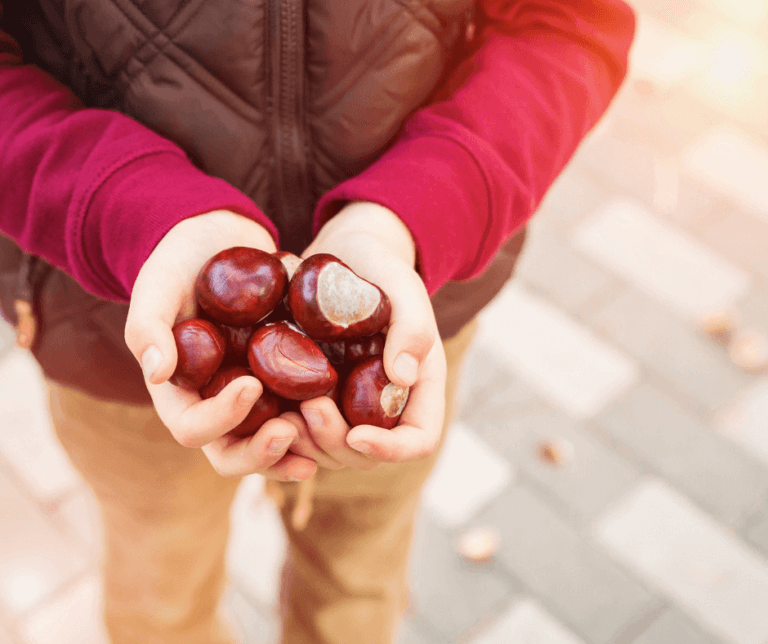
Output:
(607, 481)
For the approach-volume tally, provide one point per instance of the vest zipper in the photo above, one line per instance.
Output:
(291, 185)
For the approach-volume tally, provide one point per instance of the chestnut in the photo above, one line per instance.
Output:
(330, 302)
(266, 407)
(289, 363)
(334, 351)
(359, 349)
(237, 340)
(289, 260)
(200, 347)
(240, 286)
(369, 398)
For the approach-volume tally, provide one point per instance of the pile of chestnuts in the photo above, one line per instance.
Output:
(304, 328)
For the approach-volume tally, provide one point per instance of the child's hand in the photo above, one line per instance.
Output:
(375, 244)
(164, 295)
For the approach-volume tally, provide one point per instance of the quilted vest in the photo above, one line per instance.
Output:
(284, 99)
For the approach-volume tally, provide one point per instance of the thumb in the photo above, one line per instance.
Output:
(412, 331)
(152, 313)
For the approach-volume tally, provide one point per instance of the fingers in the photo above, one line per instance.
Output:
(306, 445)
(154, 308)
(194, 422)
(418, 434)
(412, 330)
(265, 452)
(329, 432)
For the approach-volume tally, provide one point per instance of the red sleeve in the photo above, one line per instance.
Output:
(470, 170)
(92, 191)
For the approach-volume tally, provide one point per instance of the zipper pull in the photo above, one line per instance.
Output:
(26, 327)
(471, 28)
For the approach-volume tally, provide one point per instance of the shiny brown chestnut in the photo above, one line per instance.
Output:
(266, 407)
(200, 347)
(237, 340)
(289, 363)
(330, 302)
(334, 351)
(369, 398)
(359, 349)
(240, 286)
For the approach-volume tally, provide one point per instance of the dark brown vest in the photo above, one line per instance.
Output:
(282, 99)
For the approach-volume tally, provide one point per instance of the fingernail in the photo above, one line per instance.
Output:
(364, 448)
(314, 418)
(150, 361)
(247, 396)
(406, 368)
(278, 446)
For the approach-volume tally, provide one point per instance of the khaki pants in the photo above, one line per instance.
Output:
(166, 521)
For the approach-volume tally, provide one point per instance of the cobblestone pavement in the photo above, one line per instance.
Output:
(651, 524)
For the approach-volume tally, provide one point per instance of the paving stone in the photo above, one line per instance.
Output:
(583, 486)
(757, 531)
(577, 581)
(732, 162)
(571, 197)
(626, 237)
(488, 388)
(5, 636)
(249, 623)
(661, 54)
(558, 357)
(696, 562)
(671, 346)
(527, 621)
(27, 441)
(753, 312)
(674, 626)
(562, 274)
(451, 594)
(467, 475)
(78, 515)
(747, 11)
(733, 77)
(741, 239)
(666, 122)
(71, 617)
(35, 559)
(414, 631)
(745, 420)
(719, 476)
(619, 166)
(257, 542)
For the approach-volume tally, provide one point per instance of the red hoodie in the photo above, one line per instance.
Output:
(467, 172)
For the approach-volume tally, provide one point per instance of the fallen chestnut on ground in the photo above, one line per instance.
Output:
(200, 348)
(330, 302)
(266, 407)
(369, 398)
(240, 286)
(289, 363)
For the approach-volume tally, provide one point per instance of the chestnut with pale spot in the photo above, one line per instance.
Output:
(289, 363)
(240, 286)
(268, 405)
(200, 348)
(330, 302)
(289, 260)
(368, 397)
(359, 349)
